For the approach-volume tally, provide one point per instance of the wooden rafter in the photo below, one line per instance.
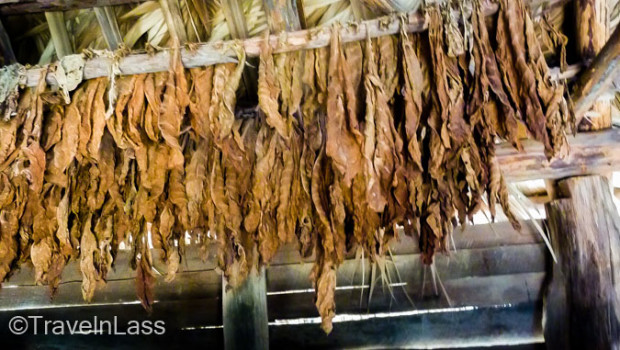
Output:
(109, 26)
(591, 153)
(16, 7)
(60, 36)
(595, 80)
(592, 19)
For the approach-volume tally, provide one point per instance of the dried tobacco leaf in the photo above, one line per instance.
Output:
(344, 139)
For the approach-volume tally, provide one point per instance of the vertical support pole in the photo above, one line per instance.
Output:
(582, 305)
(60, 36)
(245, 313)
(592, 19)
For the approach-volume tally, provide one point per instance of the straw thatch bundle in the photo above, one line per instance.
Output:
(335, 157)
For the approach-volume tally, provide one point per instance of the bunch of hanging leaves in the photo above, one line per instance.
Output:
(336, 157)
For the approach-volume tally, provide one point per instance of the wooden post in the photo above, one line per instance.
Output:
(592, 20)
(245, 313)
(582, 305)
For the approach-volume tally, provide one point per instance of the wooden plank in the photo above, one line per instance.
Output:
(60, 36)
(187, 285)
(192, 322)
(590, 153)
(592, 25)
(219, 52)
(245, 313)
(444, 329)
(582, 304)
(460, 264)
(487, 291)
(16, 7)
(109, 26)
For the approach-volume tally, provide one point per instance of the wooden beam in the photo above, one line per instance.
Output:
(17, 7)
(582, 305)
(5, 46)
(219, 52)
(60, 36)
(592, 24)
(590, 153)
(439, 329)
(595, 80)
(245, 313)
(109, 26)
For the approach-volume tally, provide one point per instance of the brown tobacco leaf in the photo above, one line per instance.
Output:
(200, 100)
(65, 150)
(518, 70)
(174, 104)
(195, 181)
(324, 277)
(344, 140)
(226, 79)
(88, 251)
(145, 281)
(269, 91)
(375, 144)
(154, 86)
(500, 119)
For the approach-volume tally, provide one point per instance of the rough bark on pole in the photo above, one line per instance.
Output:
(582, 307)
(592, 19)
(245, 313)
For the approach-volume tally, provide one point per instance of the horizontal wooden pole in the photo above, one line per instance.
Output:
(17, 7)
(590, 153)
(206, 54)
